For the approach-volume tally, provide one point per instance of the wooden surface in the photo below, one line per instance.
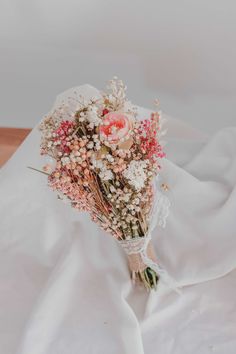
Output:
(10, 139)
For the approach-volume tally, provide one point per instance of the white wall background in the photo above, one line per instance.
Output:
(183, 52)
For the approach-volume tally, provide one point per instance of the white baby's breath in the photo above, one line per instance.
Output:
(104, 173)
(136, 173)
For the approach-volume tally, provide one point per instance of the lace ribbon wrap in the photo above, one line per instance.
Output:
(141, 255)
(135, 249)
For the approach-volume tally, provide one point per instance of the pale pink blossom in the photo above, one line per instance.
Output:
(116, 127)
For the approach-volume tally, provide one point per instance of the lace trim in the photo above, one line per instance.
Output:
(161, 208)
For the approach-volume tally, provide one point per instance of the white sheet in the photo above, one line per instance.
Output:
(64, 284)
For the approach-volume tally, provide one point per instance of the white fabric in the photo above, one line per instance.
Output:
(65, 286)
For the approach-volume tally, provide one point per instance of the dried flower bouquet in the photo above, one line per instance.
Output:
(106, 163)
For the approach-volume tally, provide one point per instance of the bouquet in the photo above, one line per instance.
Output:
(106, 162)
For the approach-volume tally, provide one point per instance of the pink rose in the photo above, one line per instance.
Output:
(116, 127)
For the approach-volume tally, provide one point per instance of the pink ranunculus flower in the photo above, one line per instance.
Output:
(116, 127)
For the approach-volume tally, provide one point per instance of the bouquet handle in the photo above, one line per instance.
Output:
(143, 262)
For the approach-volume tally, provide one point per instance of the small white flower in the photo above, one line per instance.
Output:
(97, 146)
(126, 198)
(91, 125)
(109, 175)
(136, 201)
(92, 117)
(90, 145)
(112, 189)
(136, 174)
(65, 160)
(104, 173)
(110, 158)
